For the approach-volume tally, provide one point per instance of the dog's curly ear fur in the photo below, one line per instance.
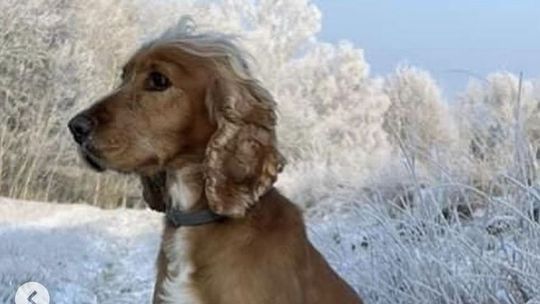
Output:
(242, 160)
(155, 191)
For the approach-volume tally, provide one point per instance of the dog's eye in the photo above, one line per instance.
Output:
(157, 82)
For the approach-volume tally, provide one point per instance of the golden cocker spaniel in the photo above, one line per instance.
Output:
(191, 120)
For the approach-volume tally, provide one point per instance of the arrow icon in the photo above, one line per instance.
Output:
(33, 294)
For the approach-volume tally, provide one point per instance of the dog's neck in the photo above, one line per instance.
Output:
(185, 187)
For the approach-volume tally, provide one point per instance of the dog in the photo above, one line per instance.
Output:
(191, 120)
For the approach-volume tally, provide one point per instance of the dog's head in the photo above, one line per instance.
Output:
(187, 98)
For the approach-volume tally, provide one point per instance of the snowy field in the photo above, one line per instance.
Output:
(84, 254)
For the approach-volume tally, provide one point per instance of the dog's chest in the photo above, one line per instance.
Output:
(178, 287)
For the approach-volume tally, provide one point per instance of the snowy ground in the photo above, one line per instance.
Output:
(83, 254)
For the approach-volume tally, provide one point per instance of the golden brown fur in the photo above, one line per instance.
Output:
(215, 122)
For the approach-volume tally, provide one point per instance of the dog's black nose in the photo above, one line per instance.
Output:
(81, 126)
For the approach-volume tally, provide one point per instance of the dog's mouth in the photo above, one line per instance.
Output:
(91, 159)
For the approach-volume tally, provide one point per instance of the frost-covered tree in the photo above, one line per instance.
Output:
(100, 49)
(417, 118)
(499, 122)
(30, 38)
(532, 123)
(331, 111)
(331, 122)
(339, 103)
(53, 61)
(273, 31)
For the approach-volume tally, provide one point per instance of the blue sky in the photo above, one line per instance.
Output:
(449, 38)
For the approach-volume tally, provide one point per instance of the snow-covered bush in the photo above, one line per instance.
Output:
(418, 118)
(423, 255)
(499, 123)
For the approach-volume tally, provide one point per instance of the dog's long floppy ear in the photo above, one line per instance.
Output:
(242, 160)
(154, 191)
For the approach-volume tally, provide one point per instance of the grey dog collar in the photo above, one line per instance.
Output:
(179, 218)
